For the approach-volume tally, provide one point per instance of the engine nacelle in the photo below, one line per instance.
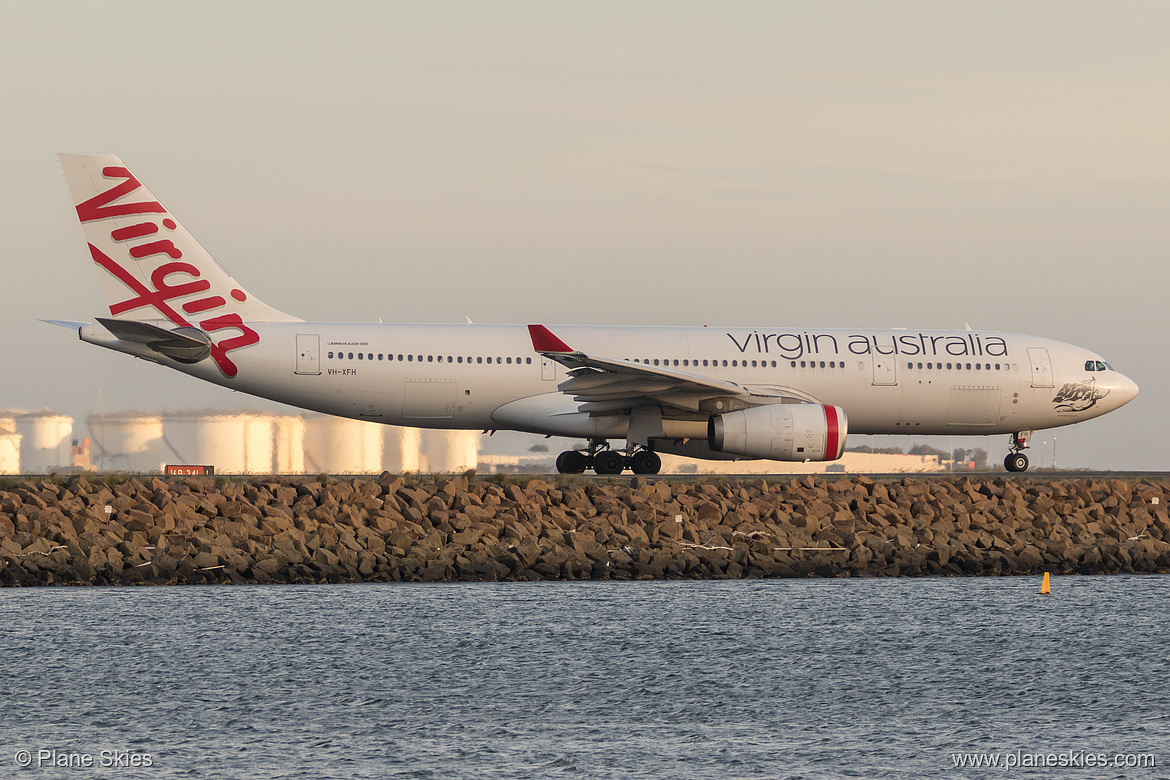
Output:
(793, 432)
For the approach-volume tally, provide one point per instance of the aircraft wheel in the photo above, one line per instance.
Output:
(646, 462)
(608, 462)
(1016, 461)
(571, 462)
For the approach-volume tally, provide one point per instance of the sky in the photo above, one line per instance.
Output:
(830, 164)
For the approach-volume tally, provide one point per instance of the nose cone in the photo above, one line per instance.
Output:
(1122, 390)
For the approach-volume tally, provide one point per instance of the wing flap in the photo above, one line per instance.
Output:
(603, 384)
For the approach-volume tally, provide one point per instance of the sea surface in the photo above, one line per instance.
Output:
(847, 678)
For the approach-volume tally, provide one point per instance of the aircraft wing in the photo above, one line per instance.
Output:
(603, 384)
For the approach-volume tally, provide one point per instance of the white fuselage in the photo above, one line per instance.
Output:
(490, 377)
(789, 393)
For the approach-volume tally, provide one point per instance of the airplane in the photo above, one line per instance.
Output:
(721, 393)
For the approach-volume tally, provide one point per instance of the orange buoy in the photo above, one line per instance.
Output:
(1046, 586)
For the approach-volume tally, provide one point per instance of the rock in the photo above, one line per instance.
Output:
(290, 530)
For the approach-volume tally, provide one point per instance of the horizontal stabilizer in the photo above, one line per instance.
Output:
(186, 345)
(66, 324)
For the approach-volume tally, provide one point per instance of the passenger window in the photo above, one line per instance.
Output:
(331, 355)
(802, 364)
(909, 365)
(528, 361)
(410, 358)
(704, 364)
(351, 356)
(794, 364)
(655, 361)
(479, 360)
(948, 366)
(773, 364)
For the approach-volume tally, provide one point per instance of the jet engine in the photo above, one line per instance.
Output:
(793, 432)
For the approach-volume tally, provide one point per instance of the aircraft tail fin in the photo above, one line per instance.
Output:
(151, 267)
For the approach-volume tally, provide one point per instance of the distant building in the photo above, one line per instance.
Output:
(849, 463)
(256, 442)
(259, 442)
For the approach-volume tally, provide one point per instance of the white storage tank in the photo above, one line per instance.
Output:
(289, 445)
(9, 452)
(233, 443)
(400, 449)
(336, 445)
(46, 442)
(452, 452)
(125, 441)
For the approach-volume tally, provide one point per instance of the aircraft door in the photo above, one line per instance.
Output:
(308, 354)
(1041, 367)
(885, 370)
(548, 369)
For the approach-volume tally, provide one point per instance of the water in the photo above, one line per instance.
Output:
(810, 678)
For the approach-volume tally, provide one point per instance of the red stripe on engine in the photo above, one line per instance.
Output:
(833, 437)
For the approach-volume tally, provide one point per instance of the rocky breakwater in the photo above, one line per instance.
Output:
(391, 529)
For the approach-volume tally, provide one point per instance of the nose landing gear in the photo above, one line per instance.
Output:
(1016, 460)
(603, 460)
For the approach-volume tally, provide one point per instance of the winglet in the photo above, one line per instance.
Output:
(543, 340)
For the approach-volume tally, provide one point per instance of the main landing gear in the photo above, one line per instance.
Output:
(1016, 460)
(603, 460)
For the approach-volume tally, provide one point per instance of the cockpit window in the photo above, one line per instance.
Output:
(1102, 366)
(1090, 365)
